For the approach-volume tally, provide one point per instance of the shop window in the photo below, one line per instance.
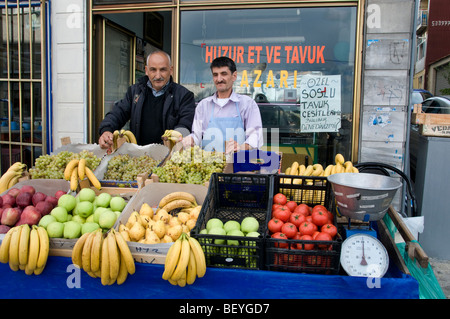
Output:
(21, 82)
(297, 63)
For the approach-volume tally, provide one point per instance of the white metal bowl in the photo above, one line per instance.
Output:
(363, 196)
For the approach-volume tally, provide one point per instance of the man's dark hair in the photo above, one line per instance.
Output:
(223, 61)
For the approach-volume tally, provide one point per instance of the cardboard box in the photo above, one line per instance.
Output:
(156, 151)
(289, 158)
(152, 195)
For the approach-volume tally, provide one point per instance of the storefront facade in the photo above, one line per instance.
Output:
(329, 76)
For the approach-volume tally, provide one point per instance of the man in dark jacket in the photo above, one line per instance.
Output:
(154, 104)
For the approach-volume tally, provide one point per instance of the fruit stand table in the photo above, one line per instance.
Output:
(60, 280)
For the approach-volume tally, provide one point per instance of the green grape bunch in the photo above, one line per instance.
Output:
(52, 166)
(191, 166)
(124, 167)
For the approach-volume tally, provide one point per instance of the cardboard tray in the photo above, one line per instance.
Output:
(152, 194)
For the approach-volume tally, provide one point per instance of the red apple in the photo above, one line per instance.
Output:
(29, 216)
(4, 229)
(24, 199)
(52, 199)
(1, 201)
(9, 199)
(10, 216)
(44, 207)
(28, 188)
(13, 192)
(59, 193)
(38, 197)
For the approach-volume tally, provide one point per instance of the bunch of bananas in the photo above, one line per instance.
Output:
(177, 200)
(172, 136)
(310, 196)
(128, 135)
(77, 169)
(25, 248)
(108, 258)
(185, 261)
(12, 175)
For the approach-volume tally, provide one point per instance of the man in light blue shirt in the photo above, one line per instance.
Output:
(226, 121)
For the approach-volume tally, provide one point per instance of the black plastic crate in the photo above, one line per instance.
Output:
(234, 197)
(323, 256)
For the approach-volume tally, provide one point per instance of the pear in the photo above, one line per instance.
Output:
(122, 227)
(151, 237)
(183, 217)
(146, 210)
(134, 217)
(175, 231)
(174, 221)
(136, 232)
(159, 228)
(144, 220)
(167, 239)
(163, 215)
(191, 223)
(185, 229)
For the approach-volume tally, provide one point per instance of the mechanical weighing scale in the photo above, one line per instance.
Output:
(366, 198)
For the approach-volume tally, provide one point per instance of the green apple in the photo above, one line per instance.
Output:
(60, 213)
(117, 213)
(67, 201)
(253, 234)
(85, 208)
(103, 200)
(230, 225)
(107, 219)
(87, 194)
(249, 224)
(46, 219)
(90, 219)
(97, 213)
(89, 227)
(214, 223)
(217, 231)
(234, 232)
(78, 219)
(69, 217)
(117, 203)
(72, 229)
(55, 229)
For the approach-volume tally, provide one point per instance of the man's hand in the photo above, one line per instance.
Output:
(188, 141)
(106, 140)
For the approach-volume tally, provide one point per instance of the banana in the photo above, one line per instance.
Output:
(175, 133)
(182, 281)
(199, 255)
(104, 266)
(43, 249)
(92, 178)
(294, 168)
(81, 168)
(191, 271)
(77, 250)
(74, 180)
(328, 169)
(115, 137)
(172, 257)
(96, 250)
(308, 171)
(13, 181)
(14, 249)
(130, 136)
(4, 248)
(86, 254)
(114, 258)
(178, 203)
(123, 272)
(339, 159)
(355, 169)
(69, 168)
(125, 252)
(183, 260)
(17, 166)
(24, 241)
(33, 251)
(6, 178)
(175, 196)
(317, 170)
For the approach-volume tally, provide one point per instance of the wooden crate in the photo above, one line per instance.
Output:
(431, 124)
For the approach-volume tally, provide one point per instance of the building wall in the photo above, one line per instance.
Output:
(69, 71)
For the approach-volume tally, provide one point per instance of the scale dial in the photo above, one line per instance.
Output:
(363, 255)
